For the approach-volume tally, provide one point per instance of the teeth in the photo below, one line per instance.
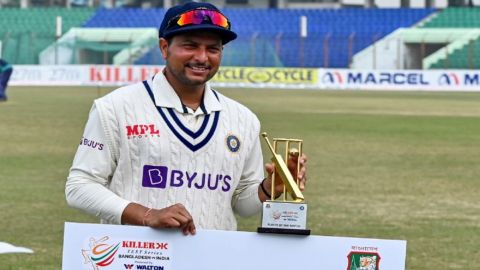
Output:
(199, 68)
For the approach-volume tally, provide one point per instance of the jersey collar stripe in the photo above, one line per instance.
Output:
(184, 108)
(204, 110)
(216, 95)
(192, 147)
(190, 133)
(150, 93)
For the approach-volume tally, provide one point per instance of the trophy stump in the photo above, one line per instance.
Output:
(286, 214)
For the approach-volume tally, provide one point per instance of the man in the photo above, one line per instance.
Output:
(5, 72)
(171, 152)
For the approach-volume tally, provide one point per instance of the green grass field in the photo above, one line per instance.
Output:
(390, 165)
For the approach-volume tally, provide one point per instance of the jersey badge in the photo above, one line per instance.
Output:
(233, 143)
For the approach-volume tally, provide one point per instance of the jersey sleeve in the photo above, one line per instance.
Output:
(245, 199)
(92, 169)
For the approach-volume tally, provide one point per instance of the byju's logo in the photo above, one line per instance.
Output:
(161, 177)
(154, 176)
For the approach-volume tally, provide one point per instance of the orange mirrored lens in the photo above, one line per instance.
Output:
(198, 17)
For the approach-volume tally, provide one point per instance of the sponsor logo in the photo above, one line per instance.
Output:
(358, 260)
(233, 143)
(448, 79)
(162, 177)
(91, 143)
(144, 245)
(142, 131)
(372, 78)
(100, 253)
(276, 215)
(472, 79)
(395, 78)
(117, 74)
(332, 77)
(150, 267)
(143, 266)
(266, 75)
(259, 76)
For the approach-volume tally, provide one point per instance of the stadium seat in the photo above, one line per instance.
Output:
(271, 36)
(467, 57)
(32, 30)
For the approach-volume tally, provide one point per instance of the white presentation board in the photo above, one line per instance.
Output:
(99, 246)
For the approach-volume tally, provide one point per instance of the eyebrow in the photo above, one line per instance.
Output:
(192, 40)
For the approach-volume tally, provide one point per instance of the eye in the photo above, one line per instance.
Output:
(189, 46)
(215, 49)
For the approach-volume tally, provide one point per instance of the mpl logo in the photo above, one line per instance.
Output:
(448, 79)
(100, 253)
(160, 177)
(334, 77)
(139, 131)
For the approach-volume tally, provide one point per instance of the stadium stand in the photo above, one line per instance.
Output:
(270, 37)
(267, 37)
(467, 56)
(31, 30)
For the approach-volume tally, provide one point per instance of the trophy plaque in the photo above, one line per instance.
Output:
(286, 214)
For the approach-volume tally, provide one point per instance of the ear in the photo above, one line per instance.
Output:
(163, 45)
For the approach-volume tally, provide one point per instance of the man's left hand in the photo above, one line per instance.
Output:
(300, 175)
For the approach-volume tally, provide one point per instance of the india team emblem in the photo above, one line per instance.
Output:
(233, 143)
(363, 261)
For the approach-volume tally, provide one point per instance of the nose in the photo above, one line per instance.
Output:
(201, 55)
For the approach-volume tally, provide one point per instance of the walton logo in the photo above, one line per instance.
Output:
(139, 131)
(159, 177)
(150, 267)
(128, 266)
(332, 77)
(100, 254)
(448, 79)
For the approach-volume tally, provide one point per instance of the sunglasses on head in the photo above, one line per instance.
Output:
(198, 16)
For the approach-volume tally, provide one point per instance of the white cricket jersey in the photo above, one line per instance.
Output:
(141, 144)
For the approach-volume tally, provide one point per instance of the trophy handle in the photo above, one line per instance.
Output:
(284, 173)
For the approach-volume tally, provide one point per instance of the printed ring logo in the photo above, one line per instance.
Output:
(259, 76)
(233, 143)
(99, 253)
(332, 77)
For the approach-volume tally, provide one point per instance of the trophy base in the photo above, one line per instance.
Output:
(283, 231)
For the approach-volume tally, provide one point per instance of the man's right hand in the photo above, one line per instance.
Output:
(175, 216)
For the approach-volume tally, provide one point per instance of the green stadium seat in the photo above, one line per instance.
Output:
(32, 30)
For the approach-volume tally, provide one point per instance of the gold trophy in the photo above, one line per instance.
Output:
(288, 213)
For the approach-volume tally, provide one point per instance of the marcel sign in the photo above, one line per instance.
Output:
(432, 80)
